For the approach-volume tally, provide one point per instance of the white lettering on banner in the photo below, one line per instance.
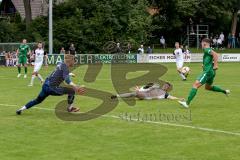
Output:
(50, 61)
(230, 57)
(59, 59)
(55, 58)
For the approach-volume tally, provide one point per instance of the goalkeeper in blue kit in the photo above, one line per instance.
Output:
(52, 86)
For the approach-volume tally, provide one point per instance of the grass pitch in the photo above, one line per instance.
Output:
(209, 130)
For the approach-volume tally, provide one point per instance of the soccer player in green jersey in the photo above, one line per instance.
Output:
(22, 53)
(210, 65)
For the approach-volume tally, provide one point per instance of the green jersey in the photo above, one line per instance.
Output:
(207, 60)
(23, 50)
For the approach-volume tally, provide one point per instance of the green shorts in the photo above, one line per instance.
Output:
(207, 77)
(22, 60)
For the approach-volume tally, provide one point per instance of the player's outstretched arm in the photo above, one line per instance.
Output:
(215, 60)
(80, 90)
(174, 98)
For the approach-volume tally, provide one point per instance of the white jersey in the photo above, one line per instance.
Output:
(179, 54)
(179, 58)
(39, 54)
(154, 92)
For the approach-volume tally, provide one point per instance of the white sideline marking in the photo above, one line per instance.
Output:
(152, 122)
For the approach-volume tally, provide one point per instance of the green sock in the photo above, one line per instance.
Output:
(191, 95)
(25, 69)
(217, 89)
(19, 70)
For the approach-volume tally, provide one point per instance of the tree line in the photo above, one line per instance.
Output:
(89, 24)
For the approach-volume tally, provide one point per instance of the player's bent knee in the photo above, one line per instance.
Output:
(197, 84)
(207, 87)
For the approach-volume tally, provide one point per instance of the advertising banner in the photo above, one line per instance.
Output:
(230, 57)
(134, 58)
(165, 58)
(96, 58)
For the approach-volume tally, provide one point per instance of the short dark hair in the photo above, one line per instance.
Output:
(148, 85)
(207, 40)
(170, 86)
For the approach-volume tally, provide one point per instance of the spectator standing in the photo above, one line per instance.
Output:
(233, 41)
(222, 37)
(214, 42)
(72, 49)
(211, 39)
(14, 57)
(191, 23)
(118, 49)
(10, 59)
(229, 40)
(149, 50)
(238, 40)
(7, 58)
(219, 42)
(141, 50)
(62, 51)
(162, 42)
(129, 46)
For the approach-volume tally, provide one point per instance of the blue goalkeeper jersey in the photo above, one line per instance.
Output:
(60, 74)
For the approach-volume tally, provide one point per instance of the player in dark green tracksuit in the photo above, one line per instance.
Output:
(210, 65)
(22, 52)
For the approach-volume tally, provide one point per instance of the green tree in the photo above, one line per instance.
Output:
(139, 25)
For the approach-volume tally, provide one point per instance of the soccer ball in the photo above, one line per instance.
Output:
(185, 70)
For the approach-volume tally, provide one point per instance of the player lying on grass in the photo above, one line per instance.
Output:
(39, 55)
(52, 86)
(149, 92)
(210, 65)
